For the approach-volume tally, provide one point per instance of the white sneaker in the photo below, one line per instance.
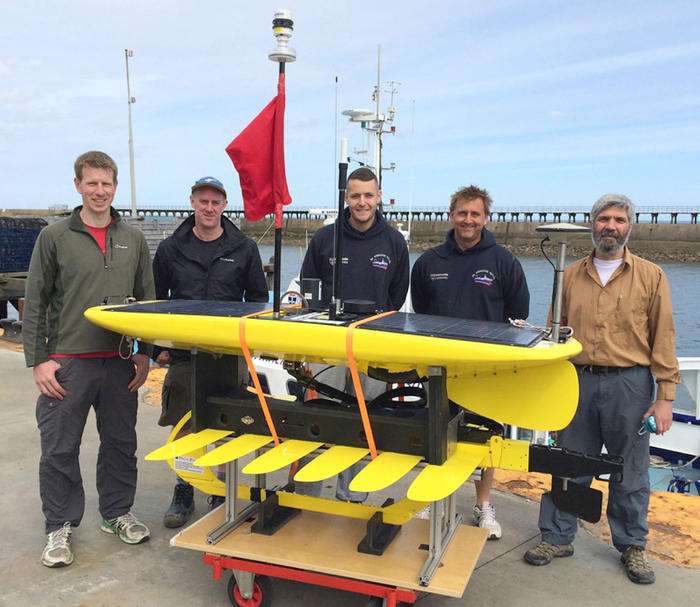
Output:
(485, 517)
(423, 514)
(58, 551)
(127, 528)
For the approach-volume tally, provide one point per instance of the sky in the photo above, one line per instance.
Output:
(544, 103)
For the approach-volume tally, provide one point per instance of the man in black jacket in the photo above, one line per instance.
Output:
(206, 258)
(375, 268)
(470, 276)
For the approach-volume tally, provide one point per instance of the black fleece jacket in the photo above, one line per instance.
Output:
(375, 263)
(485, 282)
(235, 273)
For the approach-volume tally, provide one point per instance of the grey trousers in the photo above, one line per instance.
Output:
(102, 384)
(609, 413)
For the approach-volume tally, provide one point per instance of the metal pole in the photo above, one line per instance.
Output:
(128, 53)
(282, 27)
(558, 292)
(337, 296)
(278, 248)
(378, 133)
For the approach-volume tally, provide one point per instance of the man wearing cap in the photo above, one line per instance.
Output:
(470, 276)
(87, 259)
(207, 257)
(619, 306)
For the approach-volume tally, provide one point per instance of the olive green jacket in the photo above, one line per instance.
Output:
(68, 273)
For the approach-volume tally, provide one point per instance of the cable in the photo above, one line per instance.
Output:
(507, 551)
(545, 239)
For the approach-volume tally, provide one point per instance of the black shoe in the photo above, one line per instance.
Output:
(215, 501)
(637, 566)
(181, 507)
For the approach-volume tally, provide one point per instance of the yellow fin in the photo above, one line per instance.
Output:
(437, 482)
(232, 450)
(330, 463)
(280, 456)
(383, 470)
(187, 444)
(543, 397)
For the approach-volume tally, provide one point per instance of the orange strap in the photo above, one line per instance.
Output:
(254, 374)
(356, 379)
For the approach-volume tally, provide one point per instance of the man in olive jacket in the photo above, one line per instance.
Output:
(82, 261)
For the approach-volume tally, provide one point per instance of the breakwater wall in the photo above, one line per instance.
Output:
(656, 241)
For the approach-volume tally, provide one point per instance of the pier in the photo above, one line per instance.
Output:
(538, 214)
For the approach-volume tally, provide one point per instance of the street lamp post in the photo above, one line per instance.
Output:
(129, 53)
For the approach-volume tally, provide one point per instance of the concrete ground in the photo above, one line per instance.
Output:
(108, 573)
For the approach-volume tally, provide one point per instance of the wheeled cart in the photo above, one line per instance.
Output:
(321, 549)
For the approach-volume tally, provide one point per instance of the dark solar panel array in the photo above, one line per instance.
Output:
(456, 328)
(197, 308)
(414, 324)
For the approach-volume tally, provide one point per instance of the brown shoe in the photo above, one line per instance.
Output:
(544, 552)
(637, 566)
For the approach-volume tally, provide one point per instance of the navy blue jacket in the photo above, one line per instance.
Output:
(235, 273)
(375, 263)
(485, 282)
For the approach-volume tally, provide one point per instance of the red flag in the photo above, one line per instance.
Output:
(258, 155)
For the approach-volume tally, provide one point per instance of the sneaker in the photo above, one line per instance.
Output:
(127, 527)
(485, 517)
(181, 507)
(638, 569)
(215, 501)
(423, 514)
(544, 552)
(58, 551)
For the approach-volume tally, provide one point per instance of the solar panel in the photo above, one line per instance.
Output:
(400, 322)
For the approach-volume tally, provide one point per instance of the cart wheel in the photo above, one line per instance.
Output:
(262, 593)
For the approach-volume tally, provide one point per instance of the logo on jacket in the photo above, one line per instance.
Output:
(439, 276)
(227, 259)
(120, 246)
(331, 260)
(483, 277)
(380, 261)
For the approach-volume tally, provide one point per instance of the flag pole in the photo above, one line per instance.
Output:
(277, 264)
(282, 26)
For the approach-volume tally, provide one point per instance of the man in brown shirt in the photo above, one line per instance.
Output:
(619, 306)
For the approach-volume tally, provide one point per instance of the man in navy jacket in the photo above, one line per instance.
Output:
(208, 258)
(375, 268)
(470, 276)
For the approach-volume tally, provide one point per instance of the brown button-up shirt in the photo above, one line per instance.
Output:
(627, 322)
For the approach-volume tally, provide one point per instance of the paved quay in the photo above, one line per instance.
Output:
(108, 573)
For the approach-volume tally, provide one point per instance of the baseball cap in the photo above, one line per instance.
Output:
(209, 182)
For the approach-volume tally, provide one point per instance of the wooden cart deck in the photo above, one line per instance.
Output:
(327, 544)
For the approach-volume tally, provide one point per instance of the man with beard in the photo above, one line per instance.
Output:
(619, 306)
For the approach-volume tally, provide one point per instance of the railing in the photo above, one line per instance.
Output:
(542, 214)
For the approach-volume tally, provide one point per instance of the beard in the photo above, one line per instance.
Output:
(610, 248)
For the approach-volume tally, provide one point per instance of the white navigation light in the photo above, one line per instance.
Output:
(282, 26)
